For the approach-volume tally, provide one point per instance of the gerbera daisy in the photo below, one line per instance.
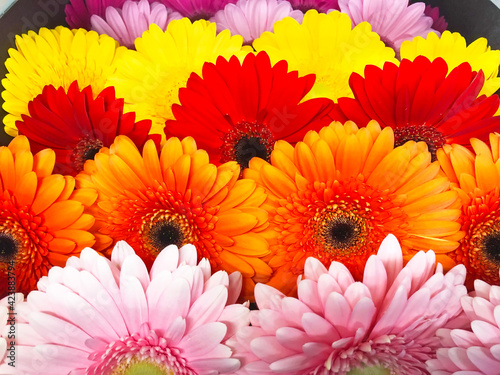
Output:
(238, 110)
(438, 22)
(149, 78)
(43, 220)
(98, 317)
(76, 126)
(395, 21)
(325, 45)
(177, 198)
(78, 12)
(127, 23)
(478, 179)
(55, 57)
(320, 5)
(476, 349)
(197, 9)
(453, 48)
(250, 18)
(339, 193)
(421, 101)
(385, 324)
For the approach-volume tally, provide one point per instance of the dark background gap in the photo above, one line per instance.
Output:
(472, 19)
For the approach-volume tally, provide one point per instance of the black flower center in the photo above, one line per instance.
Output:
(245, 141)
(420, 133)
(85, 150)
(8, 247)
(248, 148)
(341, 232)
(201, 15)
(164, 233)
(491, 247)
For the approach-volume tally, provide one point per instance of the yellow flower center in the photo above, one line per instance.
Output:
(372, 370)
(142, 367)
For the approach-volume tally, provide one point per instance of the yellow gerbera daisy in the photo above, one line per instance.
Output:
(150, 77)
(55, 57)
(340, 192)
(153, 201)
(325, 45)
(476, 176)
(43, 220)
(453, 48)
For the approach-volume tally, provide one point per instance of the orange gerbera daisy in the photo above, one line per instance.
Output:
(154, 201)
(476, 177)
(43, 220)
(339, 193)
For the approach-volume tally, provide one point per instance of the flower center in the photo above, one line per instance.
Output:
(342, 232)
(9, 247)
(144, 353)
(246, 141)
(166, 229)
(200, 15)
(85, 150)
(142, 367)
(372, 370)
(491, 247)
(420, 133)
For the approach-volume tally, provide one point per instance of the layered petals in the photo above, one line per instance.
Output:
(76, 126)
(178, 197)
(395, 21)
(238, 110)
(149, 78)
(326, 45)
(476, 177)
(43, 220)
(422, 101)
(55, 57)
(387, 321)
(127, 23)
(98, 316)
(250, 18)
(340, 192)
(453, 48)
(474, 349)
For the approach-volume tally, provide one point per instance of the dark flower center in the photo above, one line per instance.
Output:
(420, 133)
(201, 15)
(164, 233)
(85, 150)
(8, 247)
(246, 141)
(247, 148)
(341, 233)
(491, 247)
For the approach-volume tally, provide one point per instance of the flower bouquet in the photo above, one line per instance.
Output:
(250, 187)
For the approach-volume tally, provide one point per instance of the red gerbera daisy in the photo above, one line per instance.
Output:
(237, 111)
(422, 102)
(76, 126)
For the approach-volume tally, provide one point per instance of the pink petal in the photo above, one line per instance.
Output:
(391, 256)
(267, 297)
(308, 293)
(483, 360)
(207, 308)
(375, 278)
(269, 349)
(201, 340)
(313, 269)
(487, 333)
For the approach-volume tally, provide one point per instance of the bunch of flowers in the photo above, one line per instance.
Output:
(250, 187)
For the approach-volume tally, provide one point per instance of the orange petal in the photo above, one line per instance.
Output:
(62, 214)
(49, 189)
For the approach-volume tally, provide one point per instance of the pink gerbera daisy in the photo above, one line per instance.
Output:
(393, 20)
(78, 12)
(197, 9)
(438, 22)
(387, 322)
(127, 23)
(97, 316)
(476, 349)
(250, 18)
